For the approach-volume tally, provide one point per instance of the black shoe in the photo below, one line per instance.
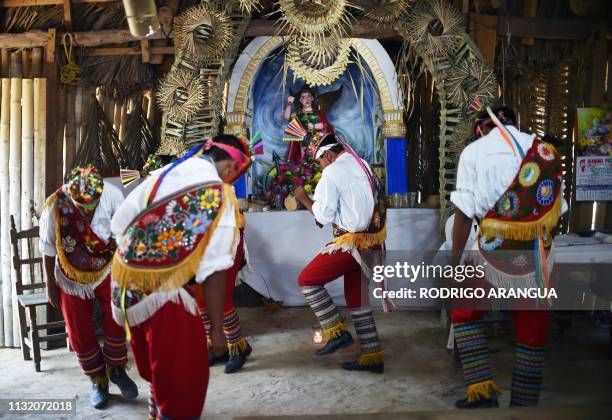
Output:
(343, 340)
(99, 392)
(490, 402)
(375, 368)
(236, 362)
(213, 360)
(119, 377)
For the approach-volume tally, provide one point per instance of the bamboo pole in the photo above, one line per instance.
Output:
(27, 164)
(15, 170)
(59, 136)
(26, 64)
(40, 143)
(70, 133)
(6, 335)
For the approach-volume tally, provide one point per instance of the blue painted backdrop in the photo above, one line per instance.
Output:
(268, 100)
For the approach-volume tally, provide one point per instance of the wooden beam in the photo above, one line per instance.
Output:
(67, 16)
(483, 29)
(146, 50)
(29, 3)
(50, 43)
(530, 10)
(98, 52)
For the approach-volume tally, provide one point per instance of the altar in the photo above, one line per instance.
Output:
(281, 243)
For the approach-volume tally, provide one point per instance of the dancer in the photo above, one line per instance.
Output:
(512, 184)
(349, 197)
(178, 227)
(75, 240)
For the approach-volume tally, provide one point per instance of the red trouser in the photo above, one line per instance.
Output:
(325, 268)
(78, 314)
(230, 280)
(170, 353)
(530, 327)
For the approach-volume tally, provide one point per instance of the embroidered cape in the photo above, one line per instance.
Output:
(527, 212)
(83, 257)
(164, 245)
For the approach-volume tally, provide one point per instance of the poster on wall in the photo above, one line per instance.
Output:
(594, 154)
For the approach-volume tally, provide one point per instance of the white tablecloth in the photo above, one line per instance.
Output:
(280, 244)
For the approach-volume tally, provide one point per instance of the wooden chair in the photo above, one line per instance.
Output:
(30, 337)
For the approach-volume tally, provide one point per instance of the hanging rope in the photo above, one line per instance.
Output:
(71, 72)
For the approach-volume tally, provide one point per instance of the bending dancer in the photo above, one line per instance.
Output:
(75, 239)
(349, 197)
(512, 184)
(178, 227)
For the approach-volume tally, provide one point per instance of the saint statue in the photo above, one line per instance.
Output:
(311, 118)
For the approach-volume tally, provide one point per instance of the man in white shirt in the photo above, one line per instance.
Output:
(178, 227)
(512, 184)
(75, 239)
(348, 198)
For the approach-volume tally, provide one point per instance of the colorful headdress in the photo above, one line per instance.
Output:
(85, 186)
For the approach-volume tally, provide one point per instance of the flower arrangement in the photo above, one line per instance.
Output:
(288, 176)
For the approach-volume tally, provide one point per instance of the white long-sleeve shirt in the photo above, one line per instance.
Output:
(110, 200)
(486, 169)
(343, 195)
(194, 171)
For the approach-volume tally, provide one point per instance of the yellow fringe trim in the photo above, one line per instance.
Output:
(170, 278)
(334, 331)
(376, 358)
(481, 390)
(361, 240)
(73, 273)
(522, 231)
(237, 348)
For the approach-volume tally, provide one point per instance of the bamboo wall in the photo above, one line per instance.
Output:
(22, 167)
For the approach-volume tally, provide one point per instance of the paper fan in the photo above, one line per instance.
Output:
(256, 144)
(294, 131)
(128, 176)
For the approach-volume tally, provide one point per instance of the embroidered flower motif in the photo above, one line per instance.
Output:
(141, 250)
(64, 221)
(545, 151)
(168, 240)
(520, 261)
(508, 204)
(150, 218)
(211, 199)
(490, 245)
(529, 174)
(68, 244)
(98, 263)
(65, 207)
(545, 193)
(197, 223)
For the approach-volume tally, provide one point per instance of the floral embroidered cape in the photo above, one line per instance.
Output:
(82, 255)
(163, 246)
(529, 209)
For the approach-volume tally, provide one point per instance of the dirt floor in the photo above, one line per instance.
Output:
(284, 377)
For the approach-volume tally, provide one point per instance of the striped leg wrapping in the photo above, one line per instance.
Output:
(115, 351)
(365, 327)
(236, 343)
(325, 310)
(92, 362)
(153, 412)
(527, 375)
(474, 355)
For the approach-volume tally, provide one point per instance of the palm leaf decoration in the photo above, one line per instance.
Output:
(101, 146)
(140, 139)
